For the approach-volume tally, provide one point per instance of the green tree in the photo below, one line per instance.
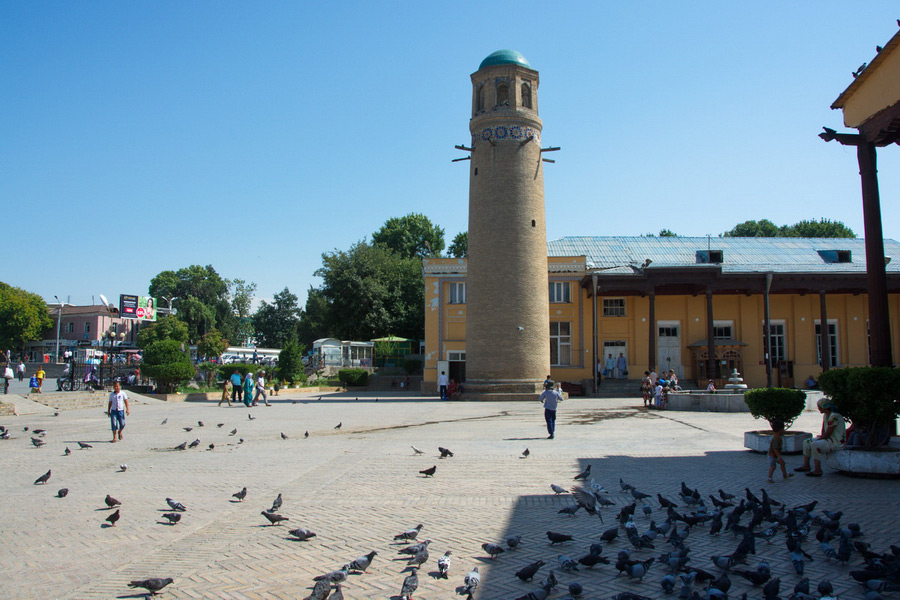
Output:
(460, 246)
(167, 363)
(241, 303)
(277, 323)
(823, 228)
(203, 299)
(762, 228)
(372, 292)
(290, 365)
(23, 317)
(166, 328)
(667, 233)
(211, 345)
(315, 318)
(410, 236)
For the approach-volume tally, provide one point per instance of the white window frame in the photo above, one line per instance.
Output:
(456, 355)
(779, 350)
(832, 336)
(722, 325)
(560, 343)
(615, 308)
(560, 292)
(456, 292)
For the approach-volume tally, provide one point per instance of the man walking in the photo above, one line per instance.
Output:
(116, 411)
(261, 389)
(443, 382)
(20, 370)
(550, 398)
(237, 391)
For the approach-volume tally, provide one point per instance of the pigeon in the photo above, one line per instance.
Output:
(569, 510)
(181, 446)
(445, 453)
(220, 425)
(233, 431)
(338, 426)
(250, 417)
(409, 534)
(667, 583)
(771, 589)
(276, 504)
(754, 577)
(610, 534)
(240, 440)
(194, 444)
(302, 534)
(84, 446)
(410, 585)
(493, 550)
(414, 549)
(362, 563)
(575, 589)
(164, 421)
(113, 518)
(639, 569)
(638, 495)
(526, 453)
(241, 495)
(321, 590)
(152, 585)
(558, 538)
(471, 581)
(111, 502)
(584, 474)
(175, 505)
(444, 565)
(188, 428)
(665, 502)
(338, 592)
(528, 572)
(825, 588)
(306, 434)
(283, 436)
(211, 447)
(40, 432)
(199, 423)
(557, 489)
(416, 450)
(566, 563)
(43, 478)
(513, 541)
(62, 493)
(172, 517)
(429, 472)
(273, 518)
(123, 467)
(539, 594)
(37, 443)
(336, 576)
(420, 558)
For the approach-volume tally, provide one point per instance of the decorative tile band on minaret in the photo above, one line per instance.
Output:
(507, 323)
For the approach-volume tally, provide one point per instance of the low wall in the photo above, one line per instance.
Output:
(216, 396)
(724, 401)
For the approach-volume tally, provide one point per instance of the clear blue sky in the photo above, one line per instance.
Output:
(144, 136)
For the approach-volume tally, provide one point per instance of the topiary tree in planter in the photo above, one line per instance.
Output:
(167, 364)
(869, 397)
(776, 404)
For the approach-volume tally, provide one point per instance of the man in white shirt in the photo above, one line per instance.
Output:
(116, 411)
(261, 389)
(443, 382)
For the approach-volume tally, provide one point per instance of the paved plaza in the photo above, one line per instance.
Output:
(359, 485)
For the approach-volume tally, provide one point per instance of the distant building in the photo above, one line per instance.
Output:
(83, 327)
(694, 305)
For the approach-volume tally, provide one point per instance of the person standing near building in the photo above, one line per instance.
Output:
(20, 370)
(40, 379)
(261, 389)
(116, 410)
(599, 371)
(610, 366)
(621, 366)
(237, 390)
(550, 398)
(443, 382)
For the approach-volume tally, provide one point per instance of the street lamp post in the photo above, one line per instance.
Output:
(58, 319)
(169, 301)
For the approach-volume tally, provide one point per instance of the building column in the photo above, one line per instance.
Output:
(651, 342)
(767, 332)
(879, 319)
(595, 333)
(824, 337)
(710, 338)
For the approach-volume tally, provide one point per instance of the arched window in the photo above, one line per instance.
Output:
(502, 94)
(479, 97)
(526, 95)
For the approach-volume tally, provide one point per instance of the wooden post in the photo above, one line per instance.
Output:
(651, 342)
(824, 338)
(711, 367)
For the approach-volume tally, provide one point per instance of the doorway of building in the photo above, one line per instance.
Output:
(668, 346)
(456, 365)
(614, 347)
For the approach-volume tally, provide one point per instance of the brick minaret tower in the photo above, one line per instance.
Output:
(507, 317)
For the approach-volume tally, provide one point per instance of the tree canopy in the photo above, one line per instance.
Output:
(459, 248)
(241, 303)
(823, 228)
(411, 236)
(202, 299)
(165, 328)
(276, 323)
(23, 317)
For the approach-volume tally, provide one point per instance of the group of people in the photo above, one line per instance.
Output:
(242, 388)
(655, 388)
(616, 368)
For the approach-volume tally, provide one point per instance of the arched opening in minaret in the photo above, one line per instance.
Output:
(526, 95)
(502, 94)
(479, 97)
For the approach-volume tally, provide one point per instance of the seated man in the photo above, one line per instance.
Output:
(831, 438)
(453, 390)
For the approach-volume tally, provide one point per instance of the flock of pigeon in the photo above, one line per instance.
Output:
(647, 540)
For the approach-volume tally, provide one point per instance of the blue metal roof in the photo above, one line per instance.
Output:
(621, 254)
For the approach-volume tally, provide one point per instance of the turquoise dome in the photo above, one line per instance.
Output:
(504, 57)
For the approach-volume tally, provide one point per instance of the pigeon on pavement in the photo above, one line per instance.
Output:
(420, 558)
(152, 585)
(429, 472)
(445, 453)
(493, 550)
(241, 495)
(362, 563)
(111, 502)
(273, 518)
(409, 534)
(113, 518)
(410, 585)
(175, 505)
(471, 581)
(62, 493)
(513, 541)
(526, 453)
(233, 431)
(336, 576)
(416, 450)
(302, 534)
(584, 474)
(84, 446)
(194, 444)
(276, 504)
(557, 489)
(173, 517)
(321, 590)
(558, 538)
(181, 446)
(43, 478)
(444, 565)
(37, 443)
(528, 572)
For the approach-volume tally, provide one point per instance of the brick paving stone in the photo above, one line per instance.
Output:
(359, 486)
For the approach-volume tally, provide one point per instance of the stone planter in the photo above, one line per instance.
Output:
(758, 441)
(883, 462)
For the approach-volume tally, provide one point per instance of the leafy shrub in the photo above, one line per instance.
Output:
(776, 404)
(290, 365)
(211, 371)
(412, 365)
(167, 364)
(868, 396)
(353, 377)
(225, 371)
